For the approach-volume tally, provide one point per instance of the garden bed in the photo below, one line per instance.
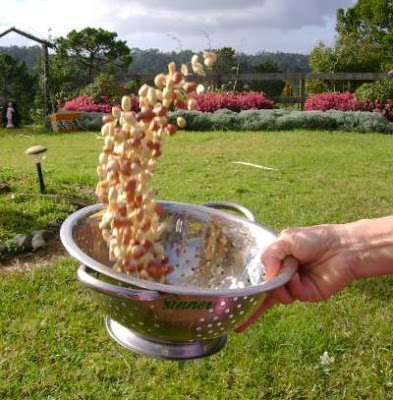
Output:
(265, 120)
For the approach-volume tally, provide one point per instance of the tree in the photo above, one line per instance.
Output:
(82, 55)
(363, 44)
(347, 55)
(271, 88)
(226, 61)
(95, 50)
(31, 55)
(369, 21)
(16, 84)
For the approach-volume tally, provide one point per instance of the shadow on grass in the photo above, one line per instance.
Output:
(380, 288)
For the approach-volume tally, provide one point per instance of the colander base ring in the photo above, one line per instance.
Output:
(170, 351)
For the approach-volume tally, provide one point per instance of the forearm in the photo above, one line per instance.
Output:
(370, 246)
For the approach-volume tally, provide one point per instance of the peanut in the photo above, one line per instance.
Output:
(132, 222)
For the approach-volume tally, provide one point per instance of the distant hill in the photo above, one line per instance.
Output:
(29, 54)
(153, 61)
(287, 62)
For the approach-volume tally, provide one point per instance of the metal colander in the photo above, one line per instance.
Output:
(217, 284)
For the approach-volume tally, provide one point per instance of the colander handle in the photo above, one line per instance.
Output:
(113, 290)
(233, 207)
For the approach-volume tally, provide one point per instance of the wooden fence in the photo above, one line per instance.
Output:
(299, 77)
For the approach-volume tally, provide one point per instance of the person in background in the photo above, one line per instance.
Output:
(330, 257)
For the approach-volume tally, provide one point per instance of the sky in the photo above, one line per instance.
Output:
(249, 26)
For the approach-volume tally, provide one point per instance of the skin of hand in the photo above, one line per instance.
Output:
(330, 257)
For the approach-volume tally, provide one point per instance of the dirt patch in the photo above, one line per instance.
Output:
(54, 251)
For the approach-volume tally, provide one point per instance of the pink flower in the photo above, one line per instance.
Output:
(234, 101)
(83, 103)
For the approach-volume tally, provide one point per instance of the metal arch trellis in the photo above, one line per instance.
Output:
(45, 62)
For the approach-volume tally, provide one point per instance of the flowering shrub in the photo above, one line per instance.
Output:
(84, 103)
(385, 109)
(347, 101)
(332, 101)
(207, 102)
(234, 101)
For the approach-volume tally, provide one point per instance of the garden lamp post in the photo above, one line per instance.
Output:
(37, 154)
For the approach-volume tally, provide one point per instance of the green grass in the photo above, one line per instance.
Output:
(53, 343)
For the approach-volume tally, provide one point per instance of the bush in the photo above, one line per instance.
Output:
(265, 120)
(84, 103)
(223, 120)
(234, 101)
(380, 91)
(255, 120)
(385, 109)
(91, 121)
(307, 120)
(195, 119)
(208, 102)
(332, 101)
(104, 85)
(131, 87)
(348, 101)
(37, 115)
(360, 121)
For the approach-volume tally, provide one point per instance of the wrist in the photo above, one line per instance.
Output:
(368, 244)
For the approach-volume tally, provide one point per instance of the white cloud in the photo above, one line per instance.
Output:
(249, 25)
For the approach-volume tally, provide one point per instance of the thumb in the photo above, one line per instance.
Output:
(274, 255)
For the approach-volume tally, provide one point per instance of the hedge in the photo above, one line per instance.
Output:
(265, 120)
(272, 120)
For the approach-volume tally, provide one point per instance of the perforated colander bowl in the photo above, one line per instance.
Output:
(217, 284)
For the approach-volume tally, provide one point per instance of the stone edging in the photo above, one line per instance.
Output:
(36, 240)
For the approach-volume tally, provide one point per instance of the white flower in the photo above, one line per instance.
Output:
(326, 359)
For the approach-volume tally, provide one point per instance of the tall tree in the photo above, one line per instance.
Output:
(95, 50)
(363, 44)
(226, 61)
(82, 55)
(371, 22)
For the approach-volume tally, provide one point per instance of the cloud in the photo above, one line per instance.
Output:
(144, 22)
(190, 17)
(199, 5)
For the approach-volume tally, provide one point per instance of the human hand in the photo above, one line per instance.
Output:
(326, 264)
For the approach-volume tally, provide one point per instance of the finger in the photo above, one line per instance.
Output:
(296, 288)
(274, 255)
(283, 295)
(268, 303)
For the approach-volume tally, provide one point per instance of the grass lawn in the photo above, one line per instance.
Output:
(53, 343)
